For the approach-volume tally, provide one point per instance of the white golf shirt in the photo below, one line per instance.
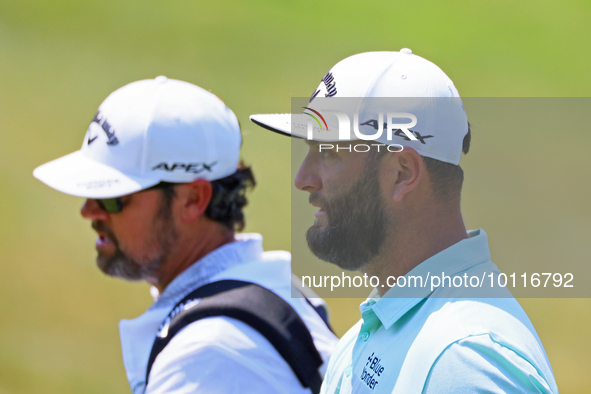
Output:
(220, 354)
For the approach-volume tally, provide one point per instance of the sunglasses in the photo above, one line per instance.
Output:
(114, 205)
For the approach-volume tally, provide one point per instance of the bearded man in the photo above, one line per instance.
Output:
(165, 191)
(395, 214)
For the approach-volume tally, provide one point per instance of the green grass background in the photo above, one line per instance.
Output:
(59, 59)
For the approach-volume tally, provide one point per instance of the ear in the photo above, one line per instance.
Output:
(409, 169)
(195, 198)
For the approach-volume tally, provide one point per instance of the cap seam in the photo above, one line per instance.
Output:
(149, 120)
(373, 82)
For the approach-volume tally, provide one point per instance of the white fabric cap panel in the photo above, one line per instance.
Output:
(147, 132)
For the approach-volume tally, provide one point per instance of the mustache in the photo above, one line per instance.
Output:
(316, 199)
(323, 203)
(99, 226)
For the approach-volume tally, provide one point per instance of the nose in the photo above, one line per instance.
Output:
(307, 178)
(92, 210)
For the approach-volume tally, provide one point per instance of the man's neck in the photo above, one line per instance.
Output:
(190, 250)
(413, 245)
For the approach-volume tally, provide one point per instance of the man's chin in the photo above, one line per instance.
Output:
(119, 268)
(321, 244)
(316, 236)
(337, 249)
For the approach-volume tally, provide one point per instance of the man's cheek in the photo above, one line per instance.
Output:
(146, 248)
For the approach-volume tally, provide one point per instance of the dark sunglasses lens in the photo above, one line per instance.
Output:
(111, 205)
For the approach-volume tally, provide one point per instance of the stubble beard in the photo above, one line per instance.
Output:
(357, 225)
(123, 266)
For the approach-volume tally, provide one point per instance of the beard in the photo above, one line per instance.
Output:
(123, 266)
(357, 224)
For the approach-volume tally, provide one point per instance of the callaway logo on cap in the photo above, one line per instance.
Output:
(424, 107)
(147, 132)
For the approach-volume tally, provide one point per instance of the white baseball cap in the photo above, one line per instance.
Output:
(413, 85)
(145, 133)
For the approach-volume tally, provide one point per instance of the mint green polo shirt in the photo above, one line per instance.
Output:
(441, 341)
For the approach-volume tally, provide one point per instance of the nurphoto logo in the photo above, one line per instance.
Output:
(379, 124)
(392, 125)
(315, 118)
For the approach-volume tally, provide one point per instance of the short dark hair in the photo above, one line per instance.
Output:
(446, 178)
(227, 199)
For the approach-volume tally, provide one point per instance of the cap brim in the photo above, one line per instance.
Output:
(78, 175)
(279, 123)
(296, 125)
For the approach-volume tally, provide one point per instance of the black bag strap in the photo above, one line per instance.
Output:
(256, 306)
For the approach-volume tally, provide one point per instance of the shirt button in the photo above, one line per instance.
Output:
(364, 336)
(348, 371)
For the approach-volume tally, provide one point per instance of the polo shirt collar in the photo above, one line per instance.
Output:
(453, 260)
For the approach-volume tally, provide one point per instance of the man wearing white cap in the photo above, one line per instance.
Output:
(159, 167)
(383, 169)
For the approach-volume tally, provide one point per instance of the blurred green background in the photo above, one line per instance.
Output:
(59, 59)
